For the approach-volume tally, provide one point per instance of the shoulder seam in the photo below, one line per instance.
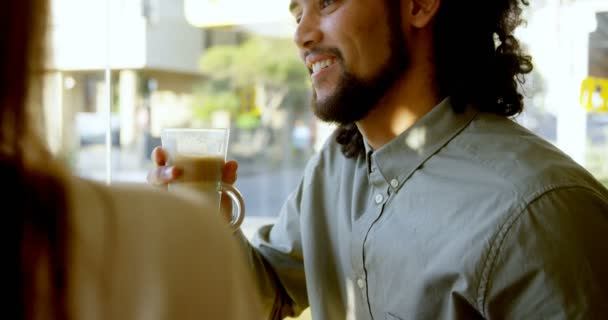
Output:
(499, 238)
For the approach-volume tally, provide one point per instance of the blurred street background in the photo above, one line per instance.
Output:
(122, 70)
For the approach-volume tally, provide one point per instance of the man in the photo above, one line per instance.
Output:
(428, 202)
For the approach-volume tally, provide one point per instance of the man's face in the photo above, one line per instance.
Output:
(355, 51)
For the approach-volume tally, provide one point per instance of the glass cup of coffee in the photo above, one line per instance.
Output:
(201, 155)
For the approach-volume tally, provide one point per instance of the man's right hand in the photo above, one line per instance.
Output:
(162, 174)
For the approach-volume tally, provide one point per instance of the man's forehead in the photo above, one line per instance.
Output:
(295, 4)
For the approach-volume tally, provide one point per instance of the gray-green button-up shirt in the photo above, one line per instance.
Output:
(463, 216)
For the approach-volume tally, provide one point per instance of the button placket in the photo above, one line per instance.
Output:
(394, 183)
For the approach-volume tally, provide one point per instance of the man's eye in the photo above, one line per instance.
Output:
(326, 3)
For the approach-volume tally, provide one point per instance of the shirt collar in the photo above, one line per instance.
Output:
(399, 158)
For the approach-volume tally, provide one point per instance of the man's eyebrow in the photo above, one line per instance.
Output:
(293, 5)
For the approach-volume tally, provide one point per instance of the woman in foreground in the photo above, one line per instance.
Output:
(81, 250)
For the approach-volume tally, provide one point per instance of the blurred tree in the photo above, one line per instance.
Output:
(270, 65)
(213, 96)
(272, 87)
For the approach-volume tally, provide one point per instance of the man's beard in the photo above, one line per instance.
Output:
(354, 97)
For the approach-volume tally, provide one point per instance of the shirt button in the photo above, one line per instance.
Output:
(361, 283)
(394, 183)
(379, 198)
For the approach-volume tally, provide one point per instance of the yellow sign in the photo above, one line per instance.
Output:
(213, 13)
(594, 94)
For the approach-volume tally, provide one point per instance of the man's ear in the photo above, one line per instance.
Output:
(421, 12)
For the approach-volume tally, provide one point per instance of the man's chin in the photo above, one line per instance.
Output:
(348, 103)
(330, 111)
(322, 110)
(322, 95)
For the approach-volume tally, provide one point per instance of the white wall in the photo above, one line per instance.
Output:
(83, 30)
(79, 36)
(172, 43)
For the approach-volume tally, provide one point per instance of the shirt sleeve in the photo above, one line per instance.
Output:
(552, 262)
(275, 255)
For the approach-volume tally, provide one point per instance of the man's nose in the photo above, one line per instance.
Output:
(308, 34)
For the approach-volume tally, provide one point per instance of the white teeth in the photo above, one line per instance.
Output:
(317, 66)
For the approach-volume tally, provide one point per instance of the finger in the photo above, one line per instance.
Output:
(159, 156)
(230, 170)
(226, 207)
(163, 175)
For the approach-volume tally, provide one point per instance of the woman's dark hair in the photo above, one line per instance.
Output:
(478, 60)
(35, 198)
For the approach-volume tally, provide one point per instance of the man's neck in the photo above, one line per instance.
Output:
(412, 96)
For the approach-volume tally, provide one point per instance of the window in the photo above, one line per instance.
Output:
(165, 69)
(125, 69)
(567, 94)
(154, 62)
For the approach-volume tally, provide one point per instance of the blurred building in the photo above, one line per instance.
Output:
(153, 54)
(153, 49)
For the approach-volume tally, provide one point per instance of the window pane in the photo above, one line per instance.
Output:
(76, 120)
(567, 93)
(167, 72)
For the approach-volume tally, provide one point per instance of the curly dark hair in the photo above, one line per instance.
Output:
(478, 61)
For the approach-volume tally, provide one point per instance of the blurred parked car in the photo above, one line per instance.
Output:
(91, 128)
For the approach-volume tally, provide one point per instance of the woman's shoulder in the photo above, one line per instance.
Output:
(138, 201)
(155, 216)
(155, 240)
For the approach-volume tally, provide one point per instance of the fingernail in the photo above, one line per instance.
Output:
(168, 173)
(177, 172)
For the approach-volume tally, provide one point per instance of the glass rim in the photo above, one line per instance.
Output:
(195, 129)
